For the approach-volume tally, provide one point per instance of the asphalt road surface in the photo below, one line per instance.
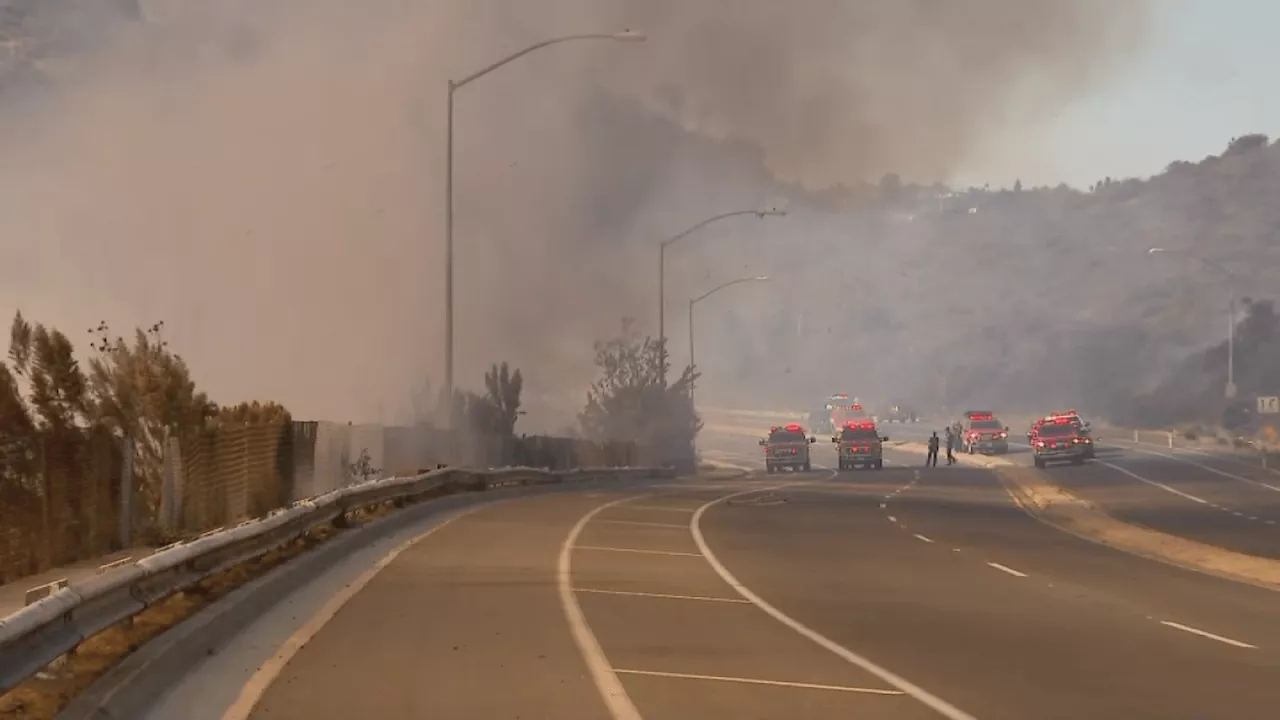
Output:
(902, 593)
(1221, 499)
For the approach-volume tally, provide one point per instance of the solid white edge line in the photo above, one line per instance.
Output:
(607, 683)
(1006, 569)
(252, 691)
(1211, 636)
(638, 551)
(918, 536)
(1160, 485)
(659, 507)
(754, 681)
(937, 704)
(666, 596)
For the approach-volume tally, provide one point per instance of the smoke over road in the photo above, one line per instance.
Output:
(266, 177)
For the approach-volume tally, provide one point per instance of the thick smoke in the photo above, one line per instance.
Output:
(267, 177)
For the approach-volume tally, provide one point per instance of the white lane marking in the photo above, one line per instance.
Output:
(1211, 636)
(660, 507)
(640, 551)
(918, 536)
(1160, 485)
(754, 681)
(932, 701)
(706, 598)
(893, 519)
(252, 692)
(641, 523)
(1009, 570)
(1206, 468)
(607, 682)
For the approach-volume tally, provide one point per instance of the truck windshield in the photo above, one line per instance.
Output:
(986, 425)
(781, 436)
(850, 434)
(1057, 430)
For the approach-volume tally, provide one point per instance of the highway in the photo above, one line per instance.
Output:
(904, 593)
(1216, 498)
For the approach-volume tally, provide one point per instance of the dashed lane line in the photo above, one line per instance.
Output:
(937, 704)
(922, 538)
(1211, 636)
(1006, 569)
(754, 681)
(1188, 496)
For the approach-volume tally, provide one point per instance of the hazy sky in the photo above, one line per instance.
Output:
(1206, 74)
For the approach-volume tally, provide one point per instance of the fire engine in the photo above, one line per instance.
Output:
(787, 447)
(1059, 438)
(859, 444)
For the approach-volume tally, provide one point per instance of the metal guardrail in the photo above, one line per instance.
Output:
(50, 627)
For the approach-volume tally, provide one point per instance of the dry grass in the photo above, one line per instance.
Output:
(45, 694)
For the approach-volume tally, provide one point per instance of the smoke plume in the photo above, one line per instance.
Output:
(267, 177)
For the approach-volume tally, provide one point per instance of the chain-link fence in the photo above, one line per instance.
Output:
(60, 499)
(85, 493)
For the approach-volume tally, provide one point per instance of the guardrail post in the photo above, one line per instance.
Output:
(1170, 438)
(126, 492)
(1135, 436)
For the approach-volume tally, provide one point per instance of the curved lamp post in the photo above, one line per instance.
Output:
(1231, 325)
(625, 36)
(704, 296)
(662, 263)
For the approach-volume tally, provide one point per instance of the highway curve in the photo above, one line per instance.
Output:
(904, 593)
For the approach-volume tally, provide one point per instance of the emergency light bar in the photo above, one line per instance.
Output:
(980, 416)
(857, 406)
(794, 428)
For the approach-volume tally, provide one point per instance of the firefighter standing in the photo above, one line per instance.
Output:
(932, 459)
(951, 443)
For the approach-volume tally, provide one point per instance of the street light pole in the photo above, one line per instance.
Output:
(1231, 313)
(704, 296)
(625, 36)
(662, 269)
